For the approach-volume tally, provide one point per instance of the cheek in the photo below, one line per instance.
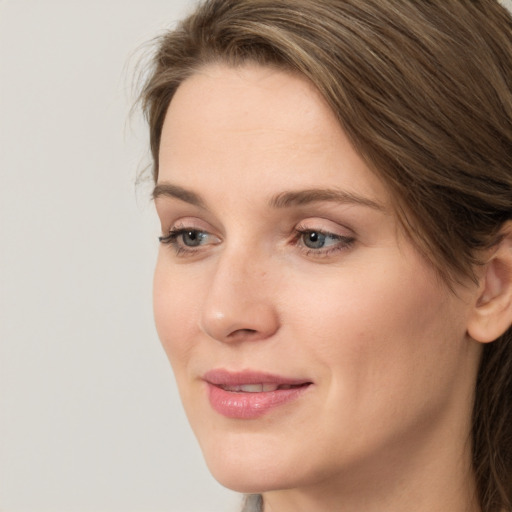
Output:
(386, 352)
(175, 306)
(381, 333)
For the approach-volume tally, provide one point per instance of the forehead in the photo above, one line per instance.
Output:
(267, 124)
(250, 98)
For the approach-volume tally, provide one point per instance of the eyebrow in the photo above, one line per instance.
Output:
(169, 190)
(282, 200)
(303, 197)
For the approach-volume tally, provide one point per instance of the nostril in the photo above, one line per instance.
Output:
(243, 333)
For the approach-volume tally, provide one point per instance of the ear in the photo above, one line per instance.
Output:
(492, 313)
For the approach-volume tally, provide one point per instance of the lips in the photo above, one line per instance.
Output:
(249, 395)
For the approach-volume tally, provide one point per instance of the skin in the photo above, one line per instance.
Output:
(385, 425)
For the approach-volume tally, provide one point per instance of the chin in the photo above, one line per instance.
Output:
(248, 479)
(249, 467)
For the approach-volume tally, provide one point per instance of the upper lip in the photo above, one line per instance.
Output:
(221, 377)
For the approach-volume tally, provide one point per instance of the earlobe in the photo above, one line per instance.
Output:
(492, 313)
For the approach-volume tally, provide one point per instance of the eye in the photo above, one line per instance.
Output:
(317, 242)
(191, 237)
(188, 240)
(317, 239)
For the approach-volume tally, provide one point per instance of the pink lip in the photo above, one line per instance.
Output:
(250, 405)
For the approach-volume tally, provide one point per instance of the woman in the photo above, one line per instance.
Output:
(334, 284)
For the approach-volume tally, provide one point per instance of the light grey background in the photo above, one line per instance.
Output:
(90, 419)
(89, 415)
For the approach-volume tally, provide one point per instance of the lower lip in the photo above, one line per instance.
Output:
(248, 406)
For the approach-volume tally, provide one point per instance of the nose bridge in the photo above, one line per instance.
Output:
(239, 302)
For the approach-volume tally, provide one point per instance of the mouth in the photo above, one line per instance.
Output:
(260, 388)
(249, 395)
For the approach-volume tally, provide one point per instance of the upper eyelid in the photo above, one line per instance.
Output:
(333, 227)
(325, 233)
(320, 224)
(178, 230)
(188, 222)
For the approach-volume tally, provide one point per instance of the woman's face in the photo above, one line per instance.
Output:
(309, 339)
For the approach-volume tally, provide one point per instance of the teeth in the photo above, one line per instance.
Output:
(251, 388)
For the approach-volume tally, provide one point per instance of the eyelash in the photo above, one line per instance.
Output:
(172, 240)
(343, 242)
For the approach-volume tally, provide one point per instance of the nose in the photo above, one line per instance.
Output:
(239, 303)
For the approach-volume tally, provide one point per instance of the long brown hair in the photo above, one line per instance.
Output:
(423, 88)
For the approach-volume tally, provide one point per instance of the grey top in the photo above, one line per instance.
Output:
(253, 503)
